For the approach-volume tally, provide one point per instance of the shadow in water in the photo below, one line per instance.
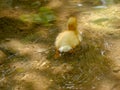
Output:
(11, 28)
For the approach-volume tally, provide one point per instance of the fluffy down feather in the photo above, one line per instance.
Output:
(68, 39)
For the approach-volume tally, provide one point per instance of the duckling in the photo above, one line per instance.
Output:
(68, 39)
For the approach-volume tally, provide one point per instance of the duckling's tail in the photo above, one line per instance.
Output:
(65, 48)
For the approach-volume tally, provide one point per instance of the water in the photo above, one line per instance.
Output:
(31, 70)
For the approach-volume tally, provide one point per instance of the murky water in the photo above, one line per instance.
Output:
(87, 68)
(24, 67)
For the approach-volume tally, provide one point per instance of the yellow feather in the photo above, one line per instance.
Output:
(70, 38)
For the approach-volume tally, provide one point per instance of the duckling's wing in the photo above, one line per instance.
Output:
(80, 37)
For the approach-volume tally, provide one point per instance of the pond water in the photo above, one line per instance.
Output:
(27, 45)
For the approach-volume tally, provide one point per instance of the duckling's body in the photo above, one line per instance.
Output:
(70, 38)
(67, 40)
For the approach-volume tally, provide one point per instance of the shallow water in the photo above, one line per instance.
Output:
(28, 63)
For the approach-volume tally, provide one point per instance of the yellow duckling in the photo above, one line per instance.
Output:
(68, 39)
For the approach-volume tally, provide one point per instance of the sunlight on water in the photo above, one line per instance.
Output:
(29, 63)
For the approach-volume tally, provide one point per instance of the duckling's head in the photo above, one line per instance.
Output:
(72, 23)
